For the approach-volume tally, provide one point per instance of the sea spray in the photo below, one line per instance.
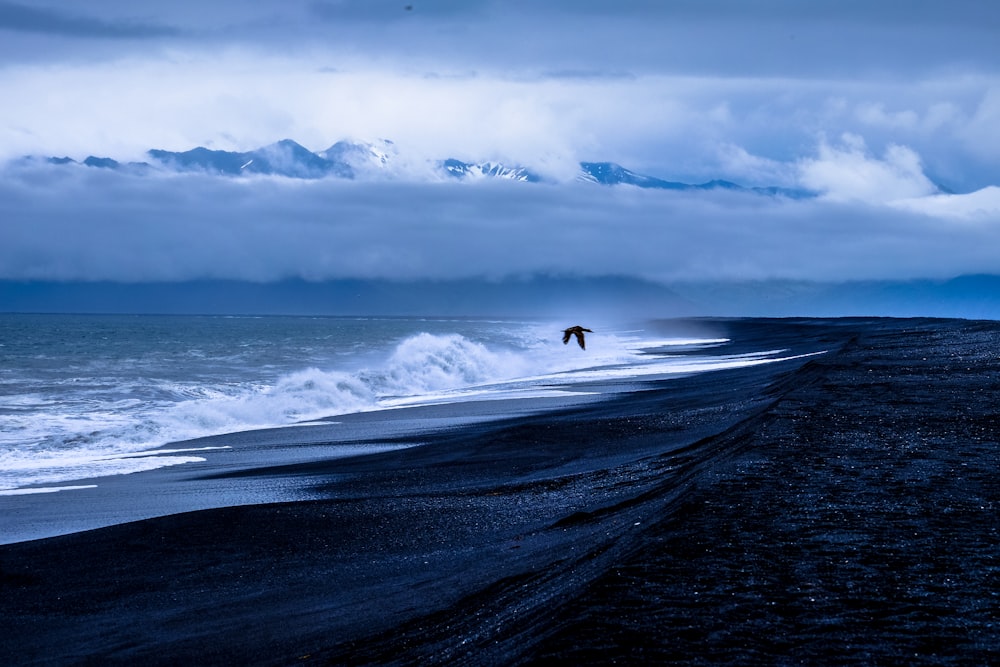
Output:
(92, 395)
(93, 426)
(426, 363)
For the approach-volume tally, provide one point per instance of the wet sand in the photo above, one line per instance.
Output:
(842, 505)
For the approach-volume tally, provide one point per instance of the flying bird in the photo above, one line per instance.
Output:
(578, 332)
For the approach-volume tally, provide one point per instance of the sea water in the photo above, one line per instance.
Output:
(83, 396)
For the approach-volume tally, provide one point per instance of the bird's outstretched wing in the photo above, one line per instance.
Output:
(575, 331)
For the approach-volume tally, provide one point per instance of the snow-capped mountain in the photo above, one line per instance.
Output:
(89, 161)
(609, 173)
(284, 158)
(459, 169)
(378, 160)
(362, 158)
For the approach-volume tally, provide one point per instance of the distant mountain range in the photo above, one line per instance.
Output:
(609, 173)
(355, 160)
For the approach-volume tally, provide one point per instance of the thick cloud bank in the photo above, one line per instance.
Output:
(79, 224)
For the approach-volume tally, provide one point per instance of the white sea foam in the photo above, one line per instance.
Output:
(80, 465)
(45, 489)
(90, 425)
(73, 432)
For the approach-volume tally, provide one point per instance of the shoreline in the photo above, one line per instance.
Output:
(215, 482)
(221, 479)
(694, 520)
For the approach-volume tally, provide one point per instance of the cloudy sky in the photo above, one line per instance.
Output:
(888, 109)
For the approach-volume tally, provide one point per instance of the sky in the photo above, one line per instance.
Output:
(887, 109)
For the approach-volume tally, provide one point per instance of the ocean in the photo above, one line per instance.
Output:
(84, 396)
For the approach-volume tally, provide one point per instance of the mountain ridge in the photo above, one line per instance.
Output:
(347, 159)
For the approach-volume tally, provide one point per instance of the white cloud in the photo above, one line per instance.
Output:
(666, 124)
(239, 101)
(981, 206)
(979, 133)
(944, 118)
(875, 114)
(737, 163)
(849, 172)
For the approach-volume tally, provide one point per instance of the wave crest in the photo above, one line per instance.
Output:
(95, 428)
(426, 363)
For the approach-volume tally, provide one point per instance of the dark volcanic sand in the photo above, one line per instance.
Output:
(839, 509)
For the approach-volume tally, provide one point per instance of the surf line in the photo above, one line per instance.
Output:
(44, 489)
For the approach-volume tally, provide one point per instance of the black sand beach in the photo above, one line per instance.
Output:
(835, 509)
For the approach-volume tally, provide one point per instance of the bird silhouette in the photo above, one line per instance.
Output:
(578, 332)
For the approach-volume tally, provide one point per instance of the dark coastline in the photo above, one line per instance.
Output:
(838, 506)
